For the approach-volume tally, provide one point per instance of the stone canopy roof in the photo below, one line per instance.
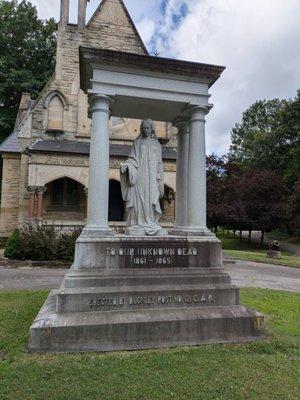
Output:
(83, 148)
(90, 57)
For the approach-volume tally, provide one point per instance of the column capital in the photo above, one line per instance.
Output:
(31, 189)
(41, 189)
(100, 102)
(198, 112)
(182, 124)
(36, 189)
(204, 109)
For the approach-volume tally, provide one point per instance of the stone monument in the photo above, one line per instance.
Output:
(147, 288)
(142, 183)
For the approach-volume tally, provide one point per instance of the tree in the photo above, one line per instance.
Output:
(258, 201)
(268, 138)
(215, 191)
(27, 57)
(221, 172)
(288, 132)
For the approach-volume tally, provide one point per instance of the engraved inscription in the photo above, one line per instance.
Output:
(132, 301)
(150, 251)
(152, 255)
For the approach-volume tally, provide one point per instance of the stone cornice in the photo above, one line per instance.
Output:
(91, 56)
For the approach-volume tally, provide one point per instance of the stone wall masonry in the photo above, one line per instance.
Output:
(110, 29)
(115, 35)
(10, 194)
(23, 192)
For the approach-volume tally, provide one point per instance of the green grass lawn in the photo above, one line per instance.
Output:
(262, 370)
(232, 247)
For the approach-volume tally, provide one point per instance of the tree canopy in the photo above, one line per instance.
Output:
(268, 138)
(246, 199)
(27, 57)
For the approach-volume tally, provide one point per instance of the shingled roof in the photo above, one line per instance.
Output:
(11, 144)
(74, 147)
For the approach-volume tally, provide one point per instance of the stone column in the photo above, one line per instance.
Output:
(97, 214)
(31, 203)
(181, 200)
(196, 220)
(40, 190)
(64, 12)
(82, 13)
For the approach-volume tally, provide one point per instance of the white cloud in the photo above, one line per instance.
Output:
(46, 8)
(258, 41)
(147, 28)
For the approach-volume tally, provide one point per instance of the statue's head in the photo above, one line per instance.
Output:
(148, 129)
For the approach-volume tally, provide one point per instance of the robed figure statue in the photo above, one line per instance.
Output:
(142, 183)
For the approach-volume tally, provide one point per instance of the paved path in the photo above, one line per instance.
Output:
(289, 247)
(243, 273)
(248, 273)
(30, 278)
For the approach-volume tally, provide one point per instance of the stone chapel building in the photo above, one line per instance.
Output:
(45, 161)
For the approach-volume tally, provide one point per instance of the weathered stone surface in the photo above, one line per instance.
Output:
(154, 276)
(148, 252)
(142, 183)
(120, 305)
(143, 329)
(145, 297)
(273, 254)
(10, 194)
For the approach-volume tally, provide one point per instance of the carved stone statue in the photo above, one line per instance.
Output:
(142, 183)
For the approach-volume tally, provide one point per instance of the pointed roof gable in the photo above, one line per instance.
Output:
(11, 144)
(115, 12)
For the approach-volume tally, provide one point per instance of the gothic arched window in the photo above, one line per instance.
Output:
(55, 114)
(55, 104)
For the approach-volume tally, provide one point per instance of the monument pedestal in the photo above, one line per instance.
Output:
(125, 293)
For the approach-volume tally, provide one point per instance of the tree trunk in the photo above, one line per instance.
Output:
(241, 235)
(216, 229)
(228, 232)
(262, 237)
(249, 237)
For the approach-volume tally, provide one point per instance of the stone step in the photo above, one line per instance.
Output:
(152, 328)
(100, 272)
(145, 297)
(157, 279)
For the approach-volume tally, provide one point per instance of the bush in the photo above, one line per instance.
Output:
(66, 245)
(13, 246)
(41, 243)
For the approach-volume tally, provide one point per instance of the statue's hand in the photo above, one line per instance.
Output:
(123, 168)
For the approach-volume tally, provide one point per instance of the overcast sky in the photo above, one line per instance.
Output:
(257, 40)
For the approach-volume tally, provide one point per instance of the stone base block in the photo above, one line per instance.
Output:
(141, 297)
(273, 254)
(154, 277)
(126, 293)
(95, 232)
(147, 252)
(182, 231)
(141, 329)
